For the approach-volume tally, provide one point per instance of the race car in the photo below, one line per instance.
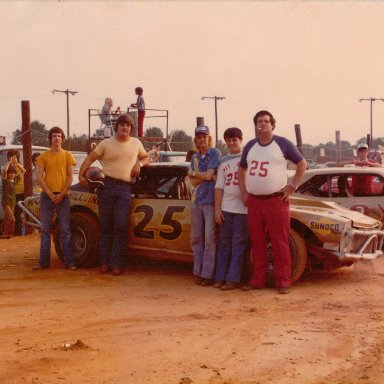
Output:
(322, 235)
(357, 188)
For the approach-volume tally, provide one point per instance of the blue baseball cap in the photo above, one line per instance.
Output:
(202, 129)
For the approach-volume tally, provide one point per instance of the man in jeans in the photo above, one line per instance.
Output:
(230, 215)
(122, 157)
(202, 174)
(54, 172)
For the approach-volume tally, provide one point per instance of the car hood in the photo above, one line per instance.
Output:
(331, 210)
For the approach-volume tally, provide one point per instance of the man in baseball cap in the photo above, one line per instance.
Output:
(202, 175)
(201, 129)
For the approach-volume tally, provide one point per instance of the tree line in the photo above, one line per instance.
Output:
(181, 141)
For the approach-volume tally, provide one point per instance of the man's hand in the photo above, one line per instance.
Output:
(136, 170)
(219, 217)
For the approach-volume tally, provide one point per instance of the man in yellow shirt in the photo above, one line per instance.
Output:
(54, 172)
(122, 157)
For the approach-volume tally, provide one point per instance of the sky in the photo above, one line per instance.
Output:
(307, 62)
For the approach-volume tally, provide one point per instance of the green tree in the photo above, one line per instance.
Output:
(39, 134)
(76, 143)
(153, 132)
(180, 141)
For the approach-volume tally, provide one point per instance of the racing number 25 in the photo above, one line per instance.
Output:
(139, 229)
(263, 170)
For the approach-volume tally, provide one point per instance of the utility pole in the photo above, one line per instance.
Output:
(67, 92)
(371, 100)
(216, 126)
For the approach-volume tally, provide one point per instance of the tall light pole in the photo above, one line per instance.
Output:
(67, 92)
(216, 98)
(371, 100)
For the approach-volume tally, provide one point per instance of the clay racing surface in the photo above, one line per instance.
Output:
(153, 325)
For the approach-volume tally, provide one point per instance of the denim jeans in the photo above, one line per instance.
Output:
(203, 241)
(63, 210)
(114, 202)
(233, 242)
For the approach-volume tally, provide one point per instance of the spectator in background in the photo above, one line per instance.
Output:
(202, 175)
(8, 198)
(361, 184)
(140, 105)
(108, 117)
(13, 156)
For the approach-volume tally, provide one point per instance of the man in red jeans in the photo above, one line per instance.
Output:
(264, 190)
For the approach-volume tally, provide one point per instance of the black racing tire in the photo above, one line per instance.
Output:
(85, 239)
(299, 256)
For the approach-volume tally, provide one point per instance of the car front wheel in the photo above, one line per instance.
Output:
(85, 239)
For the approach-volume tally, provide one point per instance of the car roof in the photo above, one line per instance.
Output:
(337, 170)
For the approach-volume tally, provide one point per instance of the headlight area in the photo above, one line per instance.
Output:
(355, 244)
(361, 244)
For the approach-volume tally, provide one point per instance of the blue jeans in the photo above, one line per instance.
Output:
(114, 207)
(234, 239)
(203, 241)
(63, 210)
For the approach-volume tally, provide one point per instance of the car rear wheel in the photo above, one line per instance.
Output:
(85, 239)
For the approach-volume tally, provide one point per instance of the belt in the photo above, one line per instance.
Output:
(265, 197)
(112, 180)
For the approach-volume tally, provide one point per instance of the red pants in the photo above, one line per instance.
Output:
(272, 216)
(140, 122)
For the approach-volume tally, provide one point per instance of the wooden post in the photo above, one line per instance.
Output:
(27, 151)
(27, 147)
(338, 146)
(299, 140)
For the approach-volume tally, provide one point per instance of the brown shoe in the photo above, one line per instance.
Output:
(284, 290)
(207, 282)
(104, 269)
(198, 280)
(38, 266)
(229, 285)
(218, 284)
(116, 271)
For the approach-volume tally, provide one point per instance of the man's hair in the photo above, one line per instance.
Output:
(263, 113)
(13, 152)
(233, 132)
(209, 143)
(55, 130)
(124, 118)
(139, 90)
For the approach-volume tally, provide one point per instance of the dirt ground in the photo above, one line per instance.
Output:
(153, 325)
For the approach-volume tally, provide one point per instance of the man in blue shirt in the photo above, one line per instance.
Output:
(202, 174)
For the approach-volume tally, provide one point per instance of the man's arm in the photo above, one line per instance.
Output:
(143, 161)
(345, 162)
(93, 156)
(40, 180)
(58, 198)
(242, 174)
(219, 217)
(291, 187)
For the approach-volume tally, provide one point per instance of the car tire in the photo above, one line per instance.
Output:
(299, 256)
(85, 239)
